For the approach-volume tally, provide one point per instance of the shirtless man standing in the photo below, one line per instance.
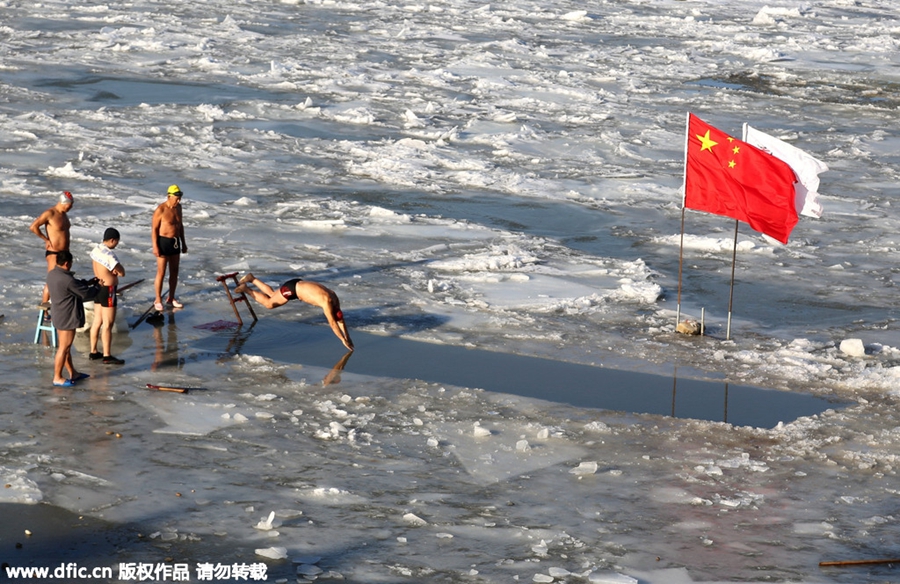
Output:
(57, 237)
(167, 232)
(309, 292)
(107, 269)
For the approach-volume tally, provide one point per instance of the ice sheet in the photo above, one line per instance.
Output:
(501, 177)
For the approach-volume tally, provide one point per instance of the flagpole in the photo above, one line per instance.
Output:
(731, 294)
(734, 258)
(680, 264)
(687, 125)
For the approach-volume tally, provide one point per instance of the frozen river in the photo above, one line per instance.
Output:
(494, 192)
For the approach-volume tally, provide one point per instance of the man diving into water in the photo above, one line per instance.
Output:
(309, 292)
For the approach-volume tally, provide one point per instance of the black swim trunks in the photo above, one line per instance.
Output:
(49, 253)
(289, 288)
(106, 297)
(168, 246)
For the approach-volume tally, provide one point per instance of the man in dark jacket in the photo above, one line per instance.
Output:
(67, 296)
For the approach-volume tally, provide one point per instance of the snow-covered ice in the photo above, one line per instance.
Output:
(502, 178)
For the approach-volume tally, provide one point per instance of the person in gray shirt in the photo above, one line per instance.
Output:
(67, 296)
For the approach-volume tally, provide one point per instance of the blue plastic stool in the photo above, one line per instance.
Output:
(44, 324)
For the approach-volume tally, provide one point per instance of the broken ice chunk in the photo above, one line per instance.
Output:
(273, 553)
(308, 570)
(267, 524)
(540, 548)
(585, 468)
(414, 519)
(610, 578)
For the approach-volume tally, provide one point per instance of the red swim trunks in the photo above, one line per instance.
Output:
(107, 297)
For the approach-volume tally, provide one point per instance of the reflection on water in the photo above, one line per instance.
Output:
(334, 376)
(545, 379)
(166, 343)
(236, 341)
(240, 335)
(712, 399)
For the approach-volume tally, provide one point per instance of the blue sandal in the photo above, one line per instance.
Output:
(66, 383)
(79, 377)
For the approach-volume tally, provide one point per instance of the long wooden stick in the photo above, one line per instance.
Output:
(860, 562)
(127, 286)
(175, 389)
(143, 316)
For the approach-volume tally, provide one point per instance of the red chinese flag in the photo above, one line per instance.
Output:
(726, 176)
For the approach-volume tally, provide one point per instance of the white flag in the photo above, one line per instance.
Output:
(806, 167)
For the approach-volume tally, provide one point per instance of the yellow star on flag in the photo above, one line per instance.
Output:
(706, 142)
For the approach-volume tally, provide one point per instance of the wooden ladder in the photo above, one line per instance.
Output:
(234, 299)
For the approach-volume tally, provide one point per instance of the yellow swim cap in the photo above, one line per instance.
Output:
(174, 191)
